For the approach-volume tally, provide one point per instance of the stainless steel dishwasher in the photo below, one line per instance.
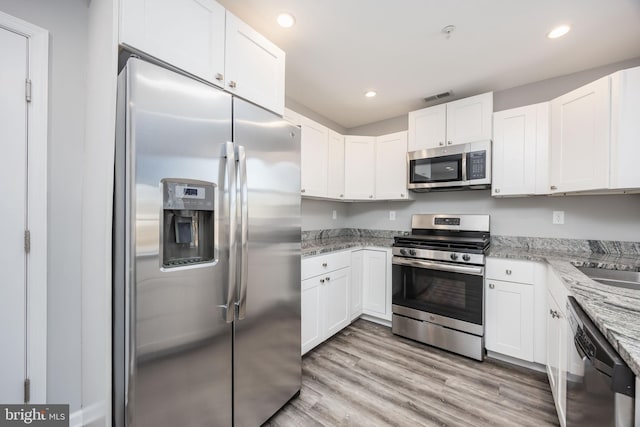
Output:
(600, 385)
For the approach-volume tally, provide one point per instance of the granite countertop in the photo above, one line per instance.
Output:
(615, 311)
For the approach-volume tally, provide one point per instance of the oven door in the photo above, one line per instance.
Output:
(438, 167)
(450, 295)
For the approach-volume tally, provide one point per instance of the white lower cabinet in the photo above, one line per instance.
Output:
(515, 302)
(557, 329)
(376, 295)
(325, 299)
(510, 319)
(357, 271)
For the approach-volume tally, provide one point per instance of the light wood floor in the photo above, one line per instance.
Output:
(366, 376)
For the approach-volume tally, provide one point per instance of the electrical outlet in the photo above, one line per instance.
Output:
(334, 215)
(392, 215)
(558, 217)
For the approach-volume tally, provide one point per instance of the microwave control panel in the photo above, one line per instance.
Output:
(476, 165)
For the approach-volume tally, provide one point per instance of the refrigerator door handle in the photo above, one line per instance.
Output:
(233, 249)
(244, 232)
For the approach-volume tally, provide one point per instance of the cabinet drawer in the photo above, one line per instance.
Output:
(510, 270)
(320, 264)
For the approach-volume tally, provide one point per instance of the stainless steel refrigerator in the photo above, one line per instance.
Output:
(206, 255)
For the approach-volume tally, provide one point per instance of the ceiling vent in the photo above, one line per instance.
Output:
(437, 97)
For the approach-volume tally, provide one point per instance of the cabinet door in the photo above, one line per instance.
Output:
(375, 292)
(391, 167)
(357, 271)
(314, 155)
(188, 34)
(360, 163)
(625, 130)
(514, 151)
(311, 313)
(427, 128)
(580, 138)
(469, 119)
(556, 356)
(336, 296)
(509, 311)
(335, 172)
(254, 66)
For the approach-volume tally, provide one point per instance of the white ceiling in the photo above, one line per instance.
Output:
(339, 49)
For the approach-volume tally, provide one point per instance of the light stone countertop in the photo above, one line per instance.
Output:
(615, 311)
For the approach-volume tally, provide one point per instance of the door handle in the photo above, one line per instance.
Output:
(233, 249)
(244, 232)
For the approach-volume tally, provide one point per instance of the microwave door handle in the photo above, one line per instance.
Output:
(464, 269)
(464, 166)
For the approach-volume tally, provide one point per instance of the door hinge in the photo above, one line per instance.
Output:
(27, 241)
(27, 90)
(27, 390)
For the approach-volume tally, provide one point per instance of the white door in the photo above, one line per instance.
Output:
(314, 156)
(360, 164)
(427, 128)
(13, 173)
(391, 166)
(188, 34)
(469, 119)
(336, 300)
(312, 332)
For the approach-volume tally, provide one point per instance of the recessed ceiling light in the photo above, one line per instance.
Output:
(558, 31)
(286, 20)
(370, 94)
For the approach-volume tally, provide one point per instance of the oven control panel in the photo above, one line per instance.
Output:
(446, 221)
(436, 255)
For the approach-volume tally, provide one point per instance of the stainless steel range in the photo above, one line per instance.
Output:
(438, 282)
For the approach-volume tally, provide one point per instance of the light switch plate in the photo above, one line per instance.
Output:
(392, 215)
(334, 215)
(558, 217)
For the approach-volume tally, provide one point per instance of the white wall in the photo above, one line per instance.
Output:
(610, 217)
(66, 21)
(318, 214)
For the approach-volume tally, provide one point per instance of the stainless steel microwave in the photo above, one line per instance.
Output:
(455, 167)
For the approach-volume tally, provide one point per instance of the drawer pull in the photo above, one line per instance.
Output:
(327, 279)
(508, 272)
(324, 264)
(322, 281)
(491, 286)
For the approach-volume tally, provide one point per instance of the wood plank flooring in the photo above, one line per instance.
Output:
(366, 376)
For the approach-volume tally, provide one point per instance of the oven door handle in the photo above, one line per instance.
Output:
(464, 269)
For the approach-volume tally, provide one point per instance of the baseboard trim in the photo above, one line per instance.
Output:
(374, 319)
(512, 360)
(87, 415)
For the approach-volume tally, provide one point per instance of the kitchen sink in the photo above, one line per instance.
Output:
(619, 278)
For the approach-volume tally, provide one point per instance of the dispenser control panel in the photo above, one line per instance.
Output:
(188, 195)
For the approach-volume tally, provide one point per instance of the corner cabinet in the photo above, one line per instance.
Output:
(203, 39)
(456, 122)
(325, 298)
(557, 341)
(521, 151)
(376, 283)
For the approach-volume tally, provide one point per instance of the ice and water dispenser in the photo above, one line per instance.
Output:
(188, 234)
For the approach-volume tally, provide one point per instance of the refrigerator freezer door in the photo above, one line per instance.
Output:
(180, 351)
(267, 362)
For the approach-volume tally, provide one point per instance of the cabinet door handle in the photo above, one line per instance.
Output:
(491, 286)
(327, 278)
(401, 194)
(232, 84)
(441, 143)
(324, 264)
(302, 191)
(219, 77)
(508, 272)
(551, 312)
(342, 195)
(371, 196)
(449, 142)
(553, 187)
(497, 190)
(322, 281)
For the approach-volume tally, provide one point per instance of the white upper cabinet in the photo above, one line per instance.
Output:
(335, 171)
(391, 167)
(201, 38)
(469, 119)
(188, 34)
(580, 124)
(457, 122)
(254, 66)
(292, 117)
(625, 129)
(360, 162)
(428, 128)
(314, 153)
(520, 151)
